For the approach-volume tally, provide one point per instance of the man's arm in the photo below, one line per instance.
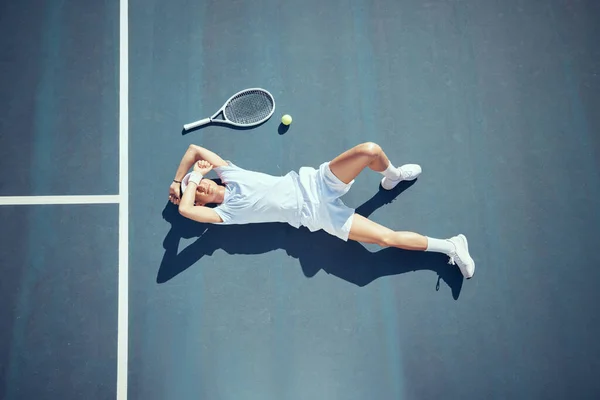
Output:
(196, 213)
(196, 153)
(200, 214)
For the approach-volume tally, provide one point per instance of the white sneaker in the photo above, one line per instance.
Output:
(460, 256)
(408, 172)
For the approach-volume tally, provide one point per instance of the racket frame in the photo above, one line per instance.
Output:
(226, 121)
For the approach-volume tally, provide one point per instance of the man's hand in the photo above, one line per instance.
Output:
(202, 167)
(175, 193)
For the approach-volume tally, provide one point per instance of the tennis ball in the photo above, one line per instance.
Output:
(286, 119)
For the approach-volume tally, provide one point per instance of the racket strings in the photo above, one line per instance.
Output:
(249, 107)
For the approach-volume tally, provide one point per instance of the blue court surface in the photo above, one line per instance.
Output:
(109, 293)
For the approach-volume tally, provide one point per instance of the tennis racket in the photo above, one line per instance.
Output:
(246, 108)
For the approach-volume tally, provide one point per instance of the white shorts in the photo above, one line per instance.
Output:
(323, 208)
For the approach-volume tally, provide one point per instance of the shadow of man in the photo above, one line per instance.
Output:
(316, 251)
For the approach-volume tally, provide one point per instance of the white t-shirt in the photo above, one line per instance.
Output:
(256, 197)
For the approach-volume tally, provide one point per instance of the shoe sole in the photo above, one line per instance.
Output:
(389, 180)
(396, 182)
(463, 237)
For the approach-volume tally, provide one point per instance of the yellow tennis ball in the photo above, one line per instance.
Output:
(286, 119)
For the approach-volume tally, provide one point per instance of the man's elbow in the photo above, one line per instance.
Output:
(194, 148)
(185, 210)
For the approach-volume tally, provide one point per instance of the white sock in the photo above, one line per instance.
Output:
(439, 245)
(391, 172)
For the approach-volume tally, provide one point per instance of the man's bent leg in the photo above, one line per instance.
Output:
(350, 163)
(366, 231)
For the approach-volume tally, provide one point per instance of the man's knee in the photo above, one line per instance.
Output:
(385, 240)
(369, 149)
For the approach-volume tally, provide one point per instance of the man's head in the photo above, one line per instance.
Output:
(208, 192)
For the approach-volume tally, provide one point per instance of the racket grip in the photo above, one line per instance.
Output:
(196, 124)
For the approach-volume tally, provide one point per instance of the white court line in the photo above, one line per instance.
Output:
(44, 200)
(123, 302)
(122, 199)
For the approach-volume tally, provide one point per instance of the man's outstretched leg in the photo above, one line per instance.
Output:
(350, 163)
(366, 231)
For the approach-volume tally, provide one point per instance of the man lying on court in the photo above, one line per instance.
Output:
(309, 197)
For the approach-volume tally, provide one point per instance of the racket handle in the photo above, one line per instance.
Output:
(196, 124)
